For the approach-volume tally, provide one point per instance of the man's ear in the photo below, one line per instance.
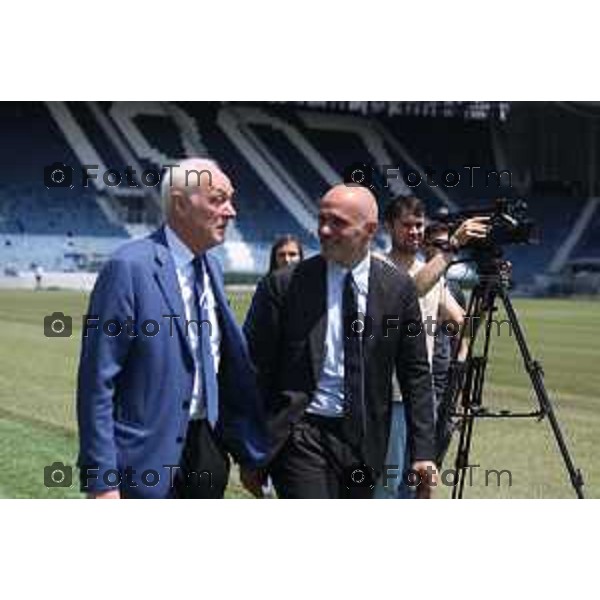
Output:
(372, 228)
(177, 202)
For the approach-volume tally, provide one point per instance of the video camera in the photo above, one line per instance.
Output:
(509, 223)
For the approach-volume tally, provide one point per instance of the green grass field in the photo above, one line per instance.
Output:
(37, 383)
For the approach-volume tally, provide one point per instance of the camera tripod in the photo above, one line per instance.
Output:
(462, 402)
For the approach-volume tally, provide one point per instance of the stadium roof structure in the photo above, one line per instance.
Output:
(467, 110)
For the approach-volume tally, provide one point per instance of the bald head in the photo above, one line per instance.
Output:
(354, 200)
(348, 219)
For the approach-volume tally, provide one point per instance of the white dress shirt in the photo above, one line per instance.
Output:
(429, 305)
(183, 257)
(328, 399)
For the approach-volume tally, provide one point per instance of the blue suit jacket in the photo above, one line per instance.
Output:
(134, 392)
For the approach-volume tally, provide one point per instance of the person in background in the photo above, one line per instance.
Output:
(405, 221)
(285, 251)
(436, 239)
(38, 272)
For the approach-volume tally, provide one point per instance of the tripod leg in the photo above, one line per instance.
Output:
(472, 393)
(535, 372)
(462, 455)
(444, 424)
(458, 378)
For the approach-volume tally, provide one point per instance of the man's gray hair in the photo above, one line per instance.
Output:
(188, 173)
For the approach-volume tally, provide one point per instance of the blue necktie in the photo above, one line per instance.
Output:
(354, 392)
(210, 389)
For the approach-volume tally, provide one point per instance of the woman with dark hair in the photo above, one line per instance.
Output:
(285, 251)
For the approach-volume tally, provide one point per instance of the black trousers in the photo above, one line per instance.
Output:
(204, 466)
(317, 462)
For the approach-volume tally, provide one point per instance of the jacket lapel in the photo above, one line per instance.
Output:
(228, 322)
(167, 280)
(316, 286)
(375, 304)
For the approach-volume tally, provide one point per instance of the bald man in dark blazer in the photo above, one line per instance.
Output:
(326, 381)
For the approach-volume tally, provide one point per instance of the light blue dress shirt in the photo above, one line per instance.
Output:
(183, 257)
(328, 399)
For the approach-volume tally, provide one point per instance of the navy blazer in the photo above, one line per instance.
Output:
(133, 396)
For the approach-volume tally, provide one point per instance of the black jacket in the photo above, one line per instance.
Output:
(286, 327)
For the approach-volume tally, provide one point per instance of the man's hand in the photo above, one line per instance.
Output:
(105, 495)
(428, 476)
(471, 229)
(429, 275)
(253, 480)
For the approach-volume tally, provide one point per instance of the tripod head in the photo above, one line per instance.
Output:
(493, 270)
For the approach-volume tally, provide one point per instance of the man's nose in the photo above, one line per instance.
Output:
(325, 230)
(230, 211)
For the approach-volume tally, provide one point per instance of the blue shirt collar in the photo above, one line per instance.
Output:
(360, 273)
(181, 254)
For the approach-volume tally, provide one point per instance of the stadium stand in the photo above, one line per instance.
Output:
(281, 156)
(589, 243)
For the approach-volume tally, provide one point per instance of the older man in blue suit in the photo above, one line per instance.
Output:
(166, 391)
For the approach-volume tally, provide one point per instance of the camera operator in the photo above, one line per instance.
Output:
(436, 237)
(472, 229)
(405, 222)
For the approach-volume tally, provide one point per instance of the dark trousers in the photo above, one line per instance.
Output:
(204, 465)
(317, 462)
